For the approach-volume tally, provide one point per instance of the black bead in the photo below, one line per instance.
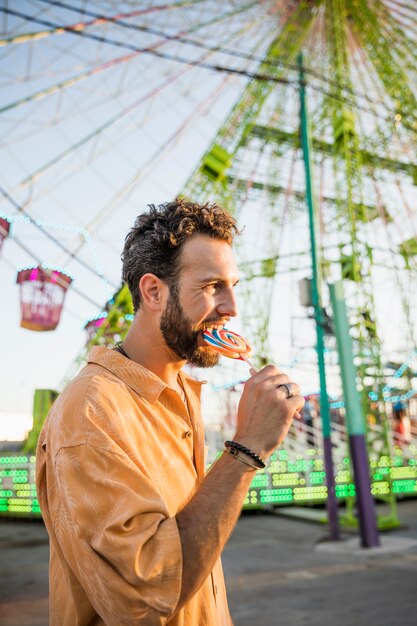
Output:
(234, 445)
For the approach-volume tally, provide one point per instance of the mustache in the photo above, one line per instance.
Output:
(217, 320)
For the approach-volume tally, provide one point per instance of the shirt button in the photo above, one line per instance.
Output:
(187, 434)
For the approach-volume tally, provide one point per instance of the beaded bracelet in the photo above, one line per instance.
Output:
(233, 445)
(234, 454)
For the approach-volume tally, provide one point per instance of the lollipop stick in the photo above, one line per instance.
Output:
(249, 362)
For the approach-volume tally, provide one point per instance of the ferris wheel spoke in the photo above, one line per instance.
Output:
(409, 8)
(404, 50)
(74, 80)
(97, 131)
(387, 67)
(70, 82)
(56, 159)
(208, 102)
(80, 26)
(109, 209)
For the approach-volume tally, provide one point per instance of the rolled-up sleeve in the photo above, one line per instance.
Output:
(117, 537)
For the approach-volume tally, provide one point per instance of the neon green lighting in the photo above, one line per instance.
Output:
(284, 481)
(403, 472)
(404, 486)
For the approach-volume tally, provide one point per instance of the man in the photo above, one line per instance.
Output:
(136, 527)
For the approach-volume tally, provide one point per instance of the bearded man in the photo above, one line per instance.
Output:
(136, 526)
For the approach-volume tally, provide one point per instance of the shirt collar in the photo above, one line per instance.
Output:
(144, 382)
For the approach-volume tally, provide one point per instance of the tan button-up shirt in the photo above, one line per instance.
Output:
(119, 455)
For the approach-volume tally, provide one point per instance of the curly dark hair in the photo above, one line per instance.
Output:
(155, 242)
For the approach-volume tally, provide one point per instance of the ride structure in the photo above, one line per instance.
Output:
(353, 150)
(360, 85)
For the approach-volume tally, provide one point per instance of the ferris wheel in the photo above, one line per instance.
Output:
(108, 104)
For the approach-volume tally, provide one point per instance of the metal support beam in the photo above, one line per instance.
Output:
(318, 314)
(279, 136)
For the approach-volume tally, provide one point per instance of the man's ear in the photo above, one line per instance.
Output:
(152, 291)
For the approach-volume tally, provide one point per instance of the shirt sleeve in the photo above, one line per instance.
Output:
(117, 537)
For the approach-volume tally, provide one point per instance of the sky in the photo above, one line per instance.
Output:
(91, 134)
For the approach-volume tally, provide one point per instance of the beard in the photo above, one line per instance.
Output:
(177, 330)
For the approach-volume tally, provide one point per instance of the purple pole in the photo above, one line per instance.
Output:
(355, 421)
(331, 504)
(364, 499)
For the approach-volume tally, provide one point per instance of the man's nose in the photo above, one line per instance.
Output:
(228, 304)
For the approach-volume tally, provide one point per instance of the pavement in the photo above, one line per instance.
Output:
(279, 571)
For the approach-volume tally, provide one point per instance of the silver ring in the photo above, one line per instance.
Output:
(288, 387)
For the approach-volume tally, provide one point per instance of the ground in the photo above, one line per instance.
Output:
(279, 570)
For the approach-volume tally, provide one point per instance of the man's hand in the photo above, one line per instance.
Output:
(265, 412)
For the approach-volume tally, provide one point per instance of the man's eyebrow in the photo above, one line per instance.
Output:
(217, 279)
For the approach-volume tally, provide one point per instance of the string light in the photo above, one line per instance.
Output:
(61, 226)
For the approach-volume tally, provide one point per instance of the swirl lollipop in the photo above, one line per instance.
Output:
(232, 345)
(229, 344)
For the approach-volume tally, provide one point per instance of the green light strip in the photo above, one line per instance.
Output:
(283, 481)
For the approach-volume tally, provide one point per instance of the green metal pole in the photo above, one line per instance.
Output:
(318, 313)
(355, 421)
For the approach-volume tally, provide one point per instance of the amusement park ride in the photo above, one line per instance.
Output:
(355, 61)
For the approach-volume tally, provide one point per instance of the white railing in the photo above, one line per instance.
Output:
(302, 437)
